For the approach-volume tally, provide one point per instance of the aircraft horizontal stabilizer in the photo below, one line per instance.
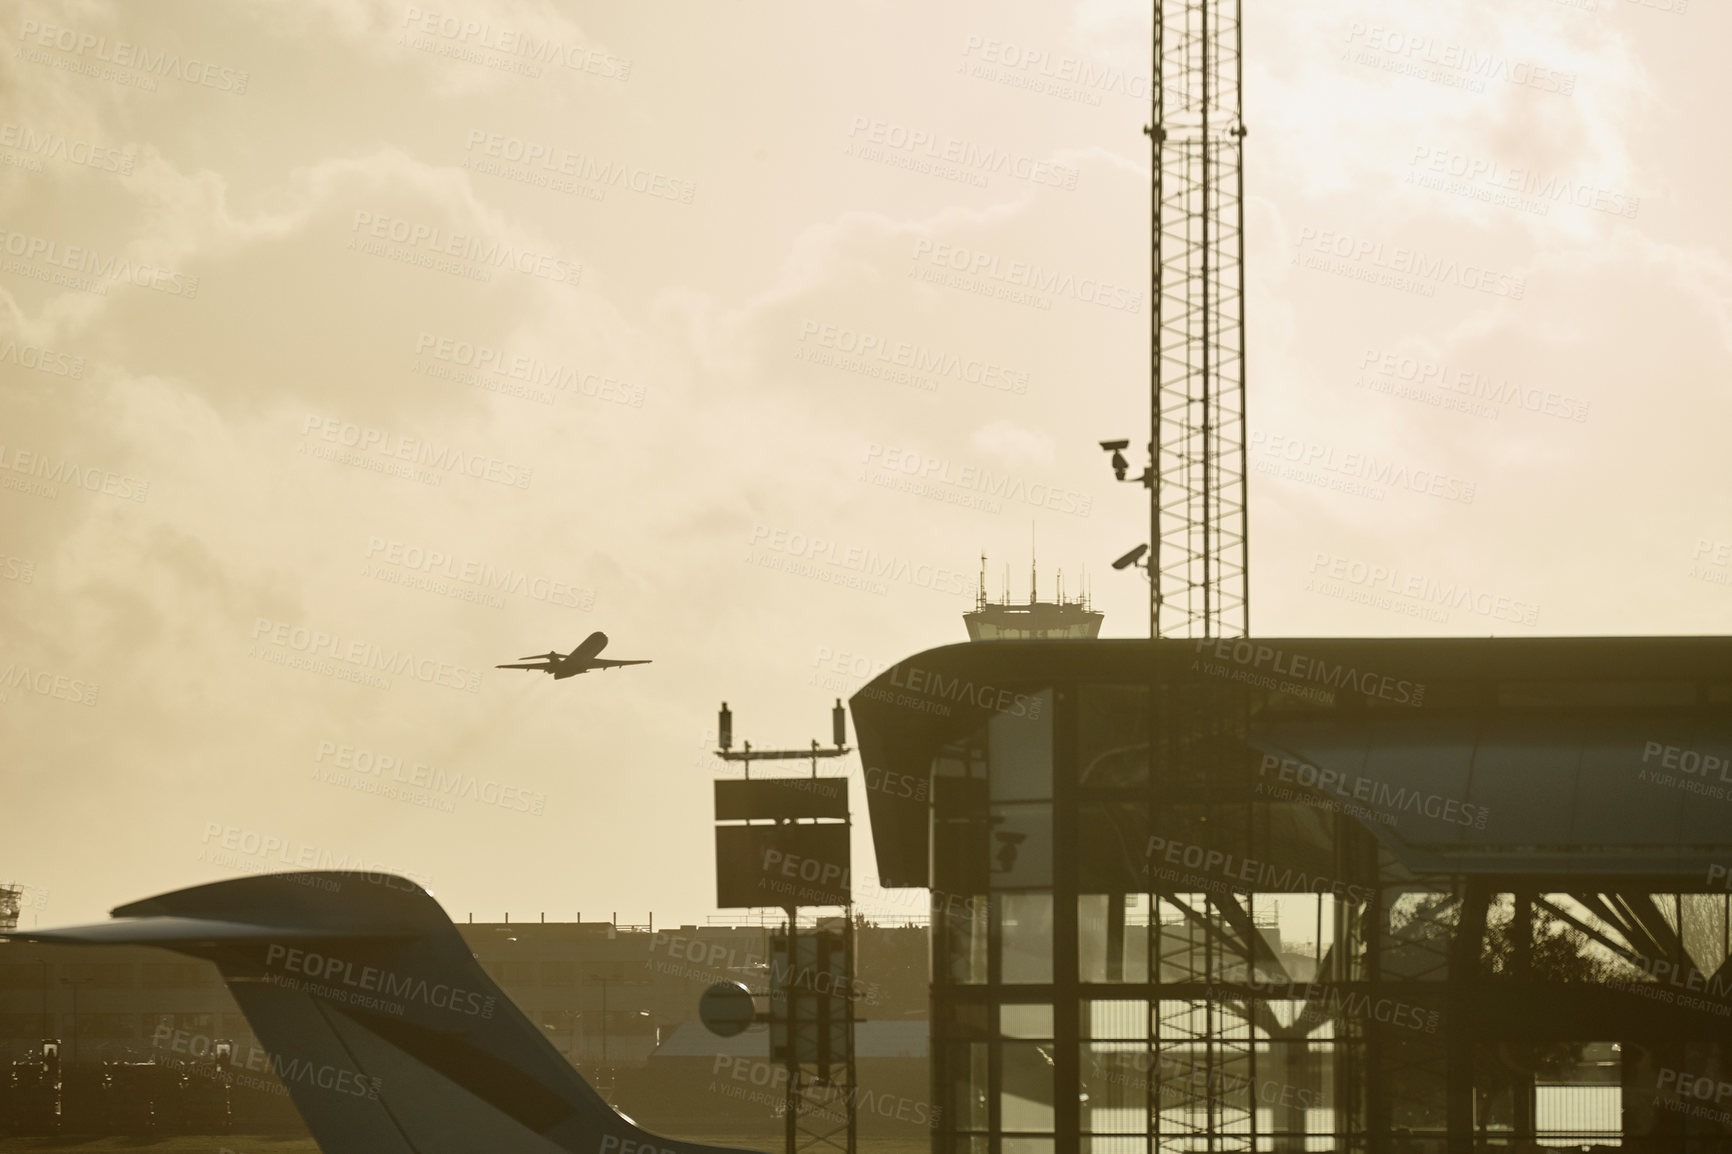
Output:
(172, 932)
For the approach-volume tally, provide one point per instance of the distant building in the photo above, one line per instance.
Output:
(1002, 621)
(601, 991)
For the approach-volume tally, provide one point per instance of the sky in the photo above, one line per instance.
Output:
(345, 332)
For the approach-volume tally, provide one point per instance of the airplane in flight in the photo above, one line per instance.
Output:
(579, 660)
(372, 1010)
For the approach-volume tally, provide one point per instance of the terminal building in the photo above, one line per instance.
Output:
(1384, 895)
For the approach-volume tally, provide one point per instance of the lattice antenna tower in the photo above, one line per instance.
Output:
(1197, 508)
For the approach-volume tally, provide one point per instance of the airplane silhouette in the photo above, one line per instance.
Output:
(388, 1035)
(579, 660)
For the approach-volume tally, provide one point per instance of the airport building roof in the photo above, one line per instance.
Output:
(1581, 756)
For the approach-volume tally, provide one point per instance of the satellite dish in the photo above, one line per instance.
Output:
(726, 1009)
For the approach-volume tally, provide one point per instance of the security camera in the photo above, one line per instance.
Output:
(1119, 463)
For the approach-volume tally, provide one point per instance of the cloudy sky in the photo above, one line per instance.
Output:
(353, 332)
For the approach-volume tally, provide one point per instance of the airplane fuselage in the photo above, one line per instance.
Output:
(580, 660)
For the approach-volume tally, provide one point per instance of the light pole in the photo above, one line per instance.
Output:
(604, 1081)
(572, 1019)
(603, 982)
(75, 983)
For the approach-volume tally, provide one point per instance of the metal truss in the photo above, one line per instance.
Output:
(1197, 436)
(812, 1033)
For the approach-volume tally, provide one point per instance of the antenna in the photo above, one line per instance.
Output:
(980, 593)
(1031, 564)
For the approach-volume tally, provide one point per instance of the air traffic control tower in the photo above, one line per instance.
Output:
(1002, 621)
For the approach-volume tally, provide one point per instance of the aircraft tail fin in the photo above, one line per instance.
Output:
(388, 1034)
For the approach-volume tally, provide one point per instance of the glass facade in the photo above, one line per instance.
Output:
(1176, 916)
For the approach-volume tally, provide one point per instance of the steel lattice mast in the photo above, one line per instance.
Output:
(1197, 508)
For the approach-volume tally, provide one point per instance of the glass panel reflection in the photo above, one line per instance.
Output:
(1025, 937)
(1025, 1102)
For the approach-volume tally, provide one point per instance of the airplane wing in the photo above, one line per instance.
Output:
(547, 667)
(387, 1033)
(604, 663)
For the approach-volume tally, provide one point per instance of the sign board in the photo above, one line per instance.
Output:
(781, 797)
(782, 865)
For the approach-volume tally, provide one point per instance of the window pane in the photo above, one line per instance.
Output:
(1027, 1145)
(1293, 1086)
(1419, 926)
(1025, 937)
(1112, 937)
(1025, 1102)
(960, 859)
(1119, 1019)
(964, 928)
(1112, 736)
(1139, 910)
(1113, 852)
(1021, 846)
(1115, 1144)
(1019, 749)
(1091, 937)
(1016, 1021)
(1115, 1087)
(966, 1072)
